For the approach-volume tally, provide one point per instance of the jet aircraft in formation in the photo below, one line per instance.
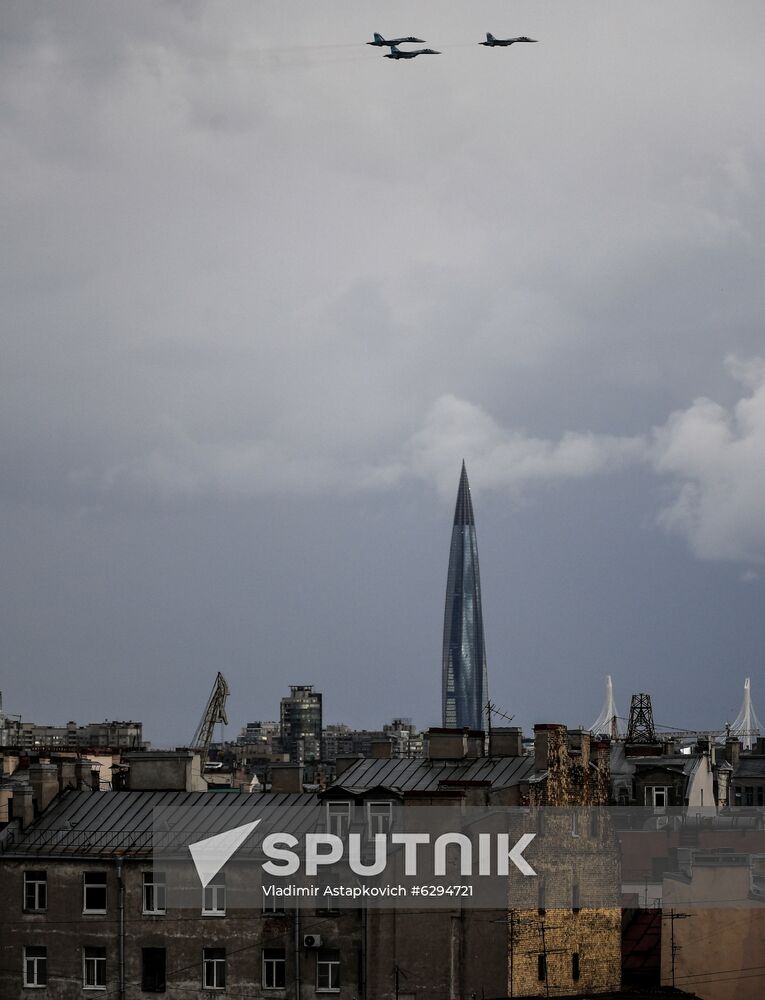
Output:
(379, 41)
(491, 41)
(396, 53)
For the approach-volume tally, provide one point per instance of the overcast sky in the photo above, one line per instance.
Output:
(264, 290)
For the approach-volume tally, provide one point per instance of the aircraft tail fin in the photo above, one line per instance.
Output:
(378, 38)
(489, 36)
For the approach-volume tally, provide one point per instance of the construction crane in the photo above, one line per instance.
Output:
(215, 712)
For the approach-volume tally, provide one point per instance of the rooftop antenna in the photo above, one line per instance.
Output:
(746, 724)
(492, 709)
(609, 720)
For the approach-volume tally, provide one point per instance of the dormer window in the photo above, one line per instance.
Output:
(657, 796)
(379, 817)
(338, 818)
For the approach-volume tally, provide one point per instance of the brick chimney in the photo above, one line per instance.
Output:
(83, 770)
(23, 807)
(44, 781)
(506, 741)
(66, 772)
(286, 778)
(454, 744)
(381, 749)
(542, 732)
(344, 761)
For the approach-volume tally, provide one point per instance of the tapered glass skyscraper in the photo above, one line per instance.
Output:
(464, 682)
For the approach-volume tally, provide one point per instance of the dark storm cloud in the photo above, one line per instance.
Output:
(250, 264)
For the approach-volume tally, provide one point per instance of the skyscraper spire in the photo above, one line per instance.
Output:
(464, 682)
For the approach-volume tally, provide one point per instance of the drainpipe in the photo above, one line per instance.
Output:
(297, 953)
(121, 926)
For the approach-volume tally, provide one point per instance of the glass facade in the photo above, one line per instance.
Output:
(300, 724)
(464, 681)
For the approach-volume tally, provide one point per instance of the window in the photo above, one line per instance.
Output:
(326, 904)
(94, 892)
(153, 970)
(338, 818)
(272, 904)
(274, 969)
(541, 968)
(657, 796)
(575, 966)
(379, 817)
(35, 965)
(35, 890)
(214, 897)
(94, 968)
(154, 892)
(749, 793)
(214, 968)
(328, 971)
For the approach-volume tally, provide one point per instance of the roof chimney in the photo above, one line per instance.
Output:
(44, 781)
(286, 778)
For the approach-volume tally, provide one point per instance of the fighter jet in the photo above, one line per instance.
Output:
(398, 54)
(491, 41)
(379, 41)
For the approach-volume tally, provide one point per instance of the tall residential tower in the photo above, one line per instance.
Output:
(464, 683)
(300, 724)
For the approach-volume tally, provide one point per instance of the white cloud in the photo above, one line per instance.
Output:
(508, 459)
(716, 459)
(713, 457)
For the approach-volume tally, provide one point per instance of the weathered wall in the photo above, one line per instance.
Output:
(719, 947)
(65, 931)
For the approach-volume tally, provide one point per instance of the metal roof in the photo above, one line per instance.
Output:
(418, 775)
(622, 764)
(125, 823)
(750, 767)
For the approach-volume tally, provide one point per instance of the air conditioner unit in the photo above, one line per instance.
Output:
(312, 941)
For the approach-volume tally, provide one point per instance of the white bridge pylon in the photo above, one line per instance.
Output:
(608, 721)
(746, 725)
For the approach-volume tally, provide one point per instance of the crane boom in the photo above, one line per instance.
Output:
(214, 712)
